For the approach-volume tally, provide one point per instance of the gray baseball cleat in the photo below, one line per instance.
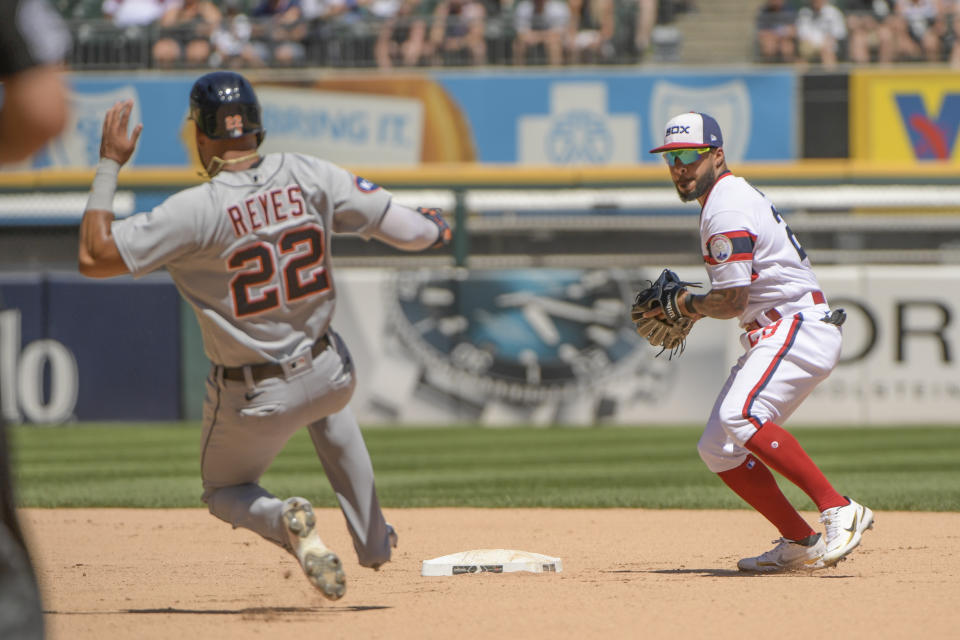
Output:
(321, 565)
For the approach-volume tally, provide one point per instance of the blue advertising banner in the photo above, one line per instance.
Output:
(160, 103)
(615, 117)
(533, 118)
(76, 349)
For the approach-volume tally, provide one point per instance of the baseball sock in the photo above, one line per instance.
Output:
(780, 451)
(753, 482)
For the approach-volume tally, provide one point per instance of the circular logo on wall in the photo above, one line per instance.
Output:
(579, 137)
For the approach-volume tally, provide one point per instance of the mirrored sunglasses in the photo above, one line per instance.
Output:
(685, 156)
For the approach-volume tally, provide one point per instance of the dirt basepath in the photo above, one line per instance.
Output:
(627, 573)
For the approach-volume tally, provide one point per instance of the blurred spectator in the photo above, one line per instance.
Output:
(231, 38)
(135, 13)
(540, 23)
(457, 31)
(918, 28)
(185, 32)
(776, 32)
(952, 40)
(402, 38)
(821, 29)
(342, 32)
(499, 30)
(646, 21)
(278, 34)
(870, 26)
(592, 25)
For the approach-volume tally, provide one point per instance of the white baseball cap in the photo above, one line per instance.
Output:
(691, 131)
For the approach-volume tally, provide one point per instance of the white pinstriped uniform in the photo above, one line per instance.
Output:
(787, 349)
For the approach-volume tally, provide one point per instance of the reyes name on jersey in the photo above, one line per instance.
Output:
(250, 251)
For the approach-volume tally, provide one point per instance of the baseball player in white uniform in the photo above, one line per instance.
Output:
(760, 274)
(250, 251)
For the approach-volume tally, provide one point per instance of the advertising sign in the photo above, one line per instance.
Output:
(905, 116)
(496, 348)
(615, 117)
(551, 118)
(78, 349)
(900, 345)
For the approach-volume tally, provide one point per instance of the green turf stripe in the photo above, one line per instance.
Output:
(157, 465)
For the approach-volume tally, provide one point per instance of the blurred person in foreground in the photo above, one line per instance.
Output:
(34, 109)
(760, 274)
(34, 104)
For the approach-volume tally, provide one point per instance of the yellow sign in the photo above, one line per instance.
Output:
(911, 116)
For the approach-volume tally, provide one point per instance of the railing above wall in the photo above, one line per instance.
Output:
(844, 213)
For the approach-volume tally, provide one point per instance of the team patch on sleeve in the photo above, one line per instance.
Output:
(730, 246)
(365, 185)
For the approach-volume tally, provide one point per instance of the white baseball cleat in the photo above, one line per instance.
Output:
(787, 556)
(320, 564)
(845, 526)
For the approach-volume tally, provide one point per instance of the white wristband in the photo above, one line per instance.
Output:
(104, 185)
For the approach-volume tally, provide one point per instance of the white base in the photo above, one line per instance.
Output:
(490, 561)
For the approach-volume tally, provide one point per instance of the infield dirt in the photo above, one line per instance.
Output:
(627, 573)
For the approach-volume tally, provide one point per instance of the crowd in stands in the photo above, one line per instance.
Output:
(413, 33)
(827, 32)
(385, 33)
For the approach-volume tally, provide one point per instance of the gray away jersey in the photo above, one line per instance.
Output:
(250, 251)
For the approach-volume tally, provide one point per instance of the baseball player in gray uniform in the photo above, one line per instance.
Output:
(250, 251)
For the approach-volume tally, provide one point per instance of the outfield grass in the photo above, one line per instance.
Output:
(94, 465)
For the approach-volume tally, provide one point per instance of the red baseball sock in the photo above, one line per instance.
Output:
(781, 452)
(753, 482)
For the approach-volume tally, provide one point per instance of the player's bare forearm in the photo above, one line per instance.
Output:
(97, 255)
(716, 303)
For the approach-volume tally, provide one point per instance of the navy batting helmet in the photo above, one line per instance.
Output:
(224, 105)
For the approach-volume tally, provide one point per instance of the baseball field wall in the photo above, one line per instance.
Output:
(72, 349)
(76, 349)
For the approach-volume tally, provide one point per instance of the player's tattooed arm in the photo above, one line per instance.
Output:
(716, 303)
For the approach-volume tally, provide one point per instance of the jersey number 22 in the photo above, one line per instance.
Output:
(303, 276)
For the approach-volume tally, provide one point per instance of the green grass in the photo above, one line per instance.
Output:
(157, 465)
